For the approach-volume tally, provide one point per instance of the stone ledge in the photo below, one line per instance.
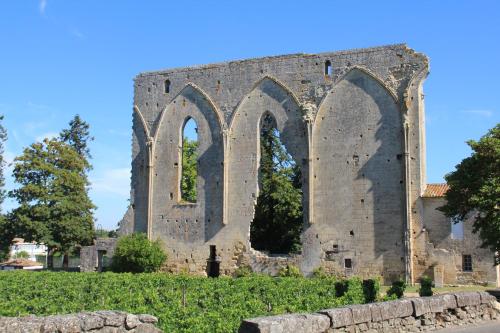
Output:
(305, 323)
(99, 321)
(405, 315)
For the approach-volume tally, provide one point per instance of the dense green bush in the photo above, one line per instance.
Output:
(321, 273)
(135, 253)
(426, 285)
(351, 290)
(182, 303)
(397, 289)
(290, 271)
(371, 288)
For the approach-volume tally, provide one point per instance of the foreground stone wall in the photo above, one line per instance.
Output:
(406, 315)
(99, 321)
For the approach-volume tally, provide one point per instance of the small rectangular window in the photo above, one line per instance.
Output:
(467, 263)
(348, 263)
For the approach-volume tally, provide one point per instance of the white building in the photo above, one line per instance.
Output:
(33, 249)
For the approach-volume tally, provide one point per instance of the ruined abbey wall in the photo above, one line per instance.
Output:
(357, 132)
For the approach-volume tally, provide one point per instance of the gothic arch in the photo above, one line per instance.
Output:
(359, 169)
(268, 95)
(255, 86)
(202, 94)
(207, 213)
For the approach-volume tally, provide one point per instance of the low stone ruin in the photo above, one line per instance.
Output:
(99, 321)
(405, 315)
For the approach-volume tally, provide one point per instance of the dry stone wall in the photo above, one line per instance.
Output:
(406, 315)
(99, 321)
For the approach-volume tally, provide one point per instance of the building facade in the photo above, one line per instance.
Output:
(352, 120)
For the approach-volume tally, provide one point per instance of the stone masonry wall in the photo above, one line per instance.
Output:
(439, 255)
(344, 126)
(99, 321)
(406, 315)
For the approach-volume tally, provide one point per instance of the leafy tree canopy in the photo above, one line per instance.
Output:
(54, 207)
(189, 169)
(475, 190)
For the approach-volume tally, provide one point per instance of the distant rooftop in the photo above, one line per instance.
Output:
(435, 190)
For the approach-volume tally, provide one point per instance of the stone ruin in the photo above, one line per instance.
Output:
(352, 120)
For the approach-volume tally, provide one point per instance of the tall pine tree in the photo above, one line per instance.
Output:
(278, 220)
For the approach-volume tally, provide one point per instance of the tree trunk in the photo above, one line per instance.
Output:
(65, 261)
(50, 259)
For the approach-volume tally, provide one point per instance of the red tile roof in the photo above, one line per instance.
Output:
(435, 190)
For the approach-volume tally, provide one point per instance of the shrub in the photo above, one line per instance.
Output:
(22, 255)
(290, 271)
(351, 290)
(135, 253)
(321, 273)
(371, 288)
(243, 271)
(426, 285)
(398, 289)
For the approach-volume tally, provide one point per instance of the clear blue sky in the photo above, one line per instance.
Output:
(61, 57)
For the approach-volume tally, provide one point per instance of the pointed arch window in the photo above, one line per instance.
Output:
(278, 218)
(189, 161)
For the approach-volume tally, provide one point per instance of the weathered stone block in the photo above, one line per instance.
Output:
(468, 299)
(396, 309)
(339, 317)
(307, 323)
(420, 306)
(90, 321)
(131, 321)
(361, 314)
(112, 318)
(450, 301)
(376, 313)
(436, 303)
(486, 297)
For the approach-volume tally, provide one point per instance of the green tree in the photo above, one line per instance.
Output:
(475, 190)
(278, 220)
(54, 207)
(78, 136)
(189, 169)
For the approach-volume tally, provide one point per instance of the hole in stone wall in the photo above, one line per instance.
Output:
(351, 233)
(189, 165)
(167, 86)
(328, 68)
(278, 219)
(348, 263)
